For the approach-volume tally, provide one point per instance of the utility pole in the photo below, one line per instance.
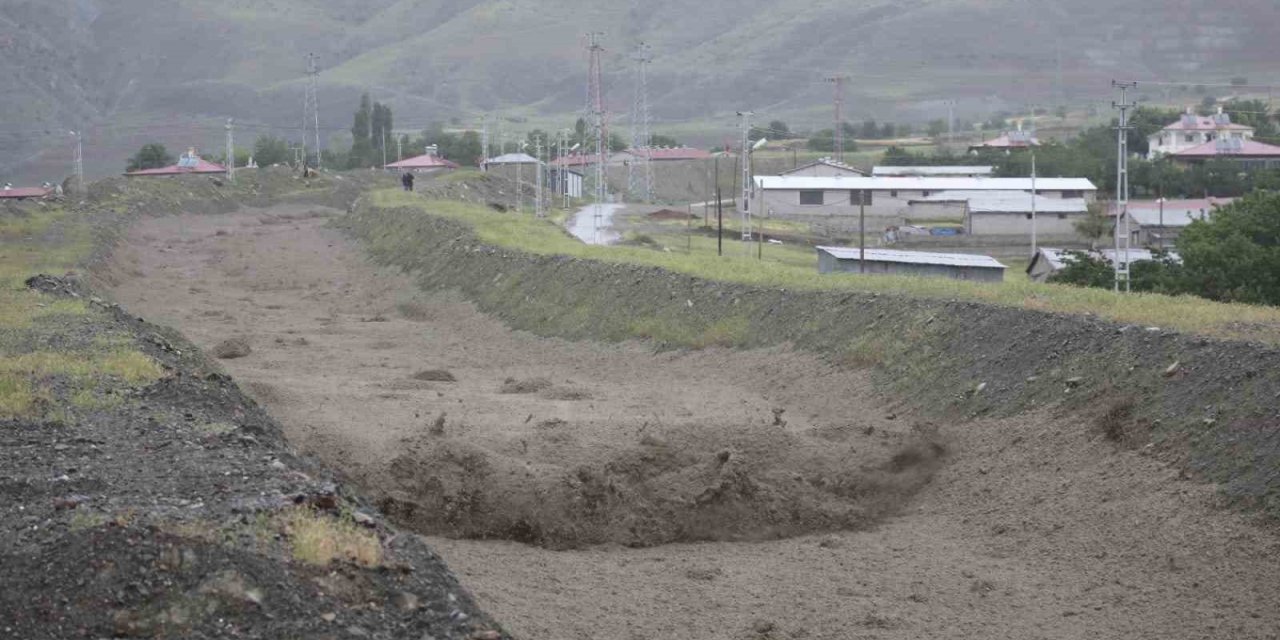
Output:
(640, 178)
(745, 126)
(231, 151)
(839, 128)
(538, 207)
(78, 162)
(311, 109)
(399, 148)
(484, 137)
(951, 123)
(862, 231)
(595, 96)
(519, 177)
(1122, 185)
(1034, 248)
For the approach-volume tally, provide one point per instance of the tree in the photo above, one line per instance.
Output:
(1061, 112)
(1095, 225)
(779, 130)
(269, 150)
(616, 143)
(659, 140)
(888, 131)
(1235, 254)
(869, 130)
(150, 156)
(1253, 113)
(1085, 270)
(937, 128)
(361, 134)
(824, 140)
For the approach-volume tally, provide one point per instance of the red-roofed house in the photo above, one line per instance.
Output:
(1249, 154)
(24, 193)
(189, 164)
(1008, 141)
(659, 154)
(427, 163)
(1193, 130)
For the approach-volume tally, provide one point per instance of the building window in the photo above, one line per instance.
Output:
(1062, 216)
(1191, 137)
(811, 197)
(857, 197)
(1073, 194)
(893, 193)
(924, 194)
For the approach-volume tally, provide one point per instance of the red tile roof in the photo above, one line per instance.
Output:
(672, 153)
(202, 166)
(1191, 122)
(25, 192)
(1230, 147)
(575, 160)
(427, 161)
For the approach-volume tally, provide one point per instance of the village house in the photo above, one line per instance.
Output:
(842, 196)
(1191, 131)
(10, 192)
(426, 163)
(1155, 223)
(658, 154)
(1008, 142)
(956, 266)
(1003, 213)
(521, 166)
(189, 164)
(1046, 262)
(1248, 154)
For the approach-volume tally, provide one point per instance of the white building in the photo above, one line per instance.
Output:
(840, 196)
(1193, 130)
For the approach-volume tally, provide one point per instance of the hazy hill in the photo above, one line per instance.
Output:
(132, 70)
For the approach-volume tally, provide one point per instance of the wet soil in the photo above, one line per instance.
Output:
(1035, 526)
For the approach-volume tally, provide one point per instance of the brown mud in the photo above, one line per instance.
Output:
(824, 510)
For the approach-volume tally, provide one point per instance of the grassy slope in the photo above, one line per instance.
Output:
(1187, 314)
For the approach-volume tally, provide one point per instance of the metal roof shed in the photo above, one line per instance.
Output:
(956, 266)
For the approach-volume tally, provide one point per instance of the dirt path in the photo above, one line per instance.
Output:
(1034, 528)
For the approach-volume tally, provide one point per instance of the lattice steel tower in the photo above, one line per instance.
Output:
(311, 109)
(599, 124)
(640, 169)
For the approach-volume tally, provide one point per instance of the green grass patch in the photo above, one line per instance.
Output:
(795, 268)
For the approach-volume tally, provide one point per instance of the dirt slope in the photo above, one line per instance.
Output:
(1035, 527)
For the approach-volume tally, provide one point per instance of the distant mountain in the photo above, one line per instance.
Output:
(135, 70)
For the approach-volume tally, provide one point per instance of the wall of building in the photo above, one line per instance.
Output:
(937, 211)
(1019, 224)
(838, 202)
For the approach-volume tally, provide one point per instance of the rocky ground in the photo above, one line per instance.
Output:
(142, 494)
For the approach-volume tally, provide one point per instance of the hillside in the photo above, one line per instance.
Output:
(133, 70)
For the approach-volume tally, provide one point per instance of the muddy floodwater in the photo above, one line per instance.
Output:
(585, 490)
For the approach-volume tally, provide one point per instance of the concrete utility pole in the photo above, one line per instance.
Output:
(399, 148)
(1122, 185)
(951, 123)
(640, 169)
(745, 126)
(484, 137)
(839, 128)
(539, 209)
(311, 107)
(231, 151)
(78, 162)
(1034, 249)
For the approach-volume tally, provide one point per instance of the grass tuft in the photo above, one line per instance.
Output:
(319, 540)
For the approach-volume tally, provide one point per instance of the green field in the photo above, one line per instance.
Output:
(794, 268)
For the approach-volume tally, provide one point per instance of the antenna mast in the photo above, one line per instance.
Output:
(839, 130)
(600, 126)
(311, 108)
(641, 182)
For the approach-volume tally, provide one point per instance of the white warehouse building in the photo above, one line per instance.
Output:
(840, 196)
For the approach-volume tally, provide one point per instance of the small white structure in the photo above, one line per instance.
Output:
(1158, 224)
(825, 167)
(565, 181)
(934, 172)
(957, 266)
(1048, 261)
(1193, 130)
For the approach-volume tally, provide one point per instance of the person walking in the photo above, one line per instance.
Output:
(407, 181)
